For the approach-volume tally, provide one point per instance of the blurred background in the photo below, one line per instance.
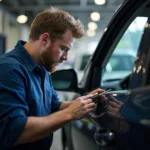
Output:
(17, 15)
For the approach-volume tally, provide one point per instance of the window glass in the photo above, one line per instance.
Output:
(84, 61)
(121, 62)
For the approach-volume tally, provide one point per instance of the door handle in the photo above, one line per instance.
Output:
(105, 137)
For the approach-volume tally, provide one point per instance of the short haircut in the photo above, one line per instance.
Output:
(56, 22)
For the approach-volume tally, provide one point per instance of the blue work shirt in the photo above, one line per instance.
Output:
(25, 90)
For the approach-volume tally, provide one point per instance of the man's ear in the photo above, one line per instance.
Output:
(44, 38)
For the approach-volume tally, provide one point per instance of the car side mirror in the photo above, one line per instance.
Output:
(65, 80)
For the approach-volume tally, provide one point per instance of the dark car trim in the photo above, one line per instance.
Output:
(118, 23)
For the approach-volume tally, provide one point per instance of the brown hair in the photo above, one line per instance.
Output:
(56, 22)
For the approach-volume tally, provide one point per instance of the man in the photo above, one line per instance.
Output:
(29, 108)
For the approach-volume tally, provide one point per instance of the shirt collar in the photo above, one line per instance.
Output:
(25, 56)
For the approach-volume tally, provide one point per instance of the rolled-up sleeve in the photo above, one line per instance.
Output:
(13, 107)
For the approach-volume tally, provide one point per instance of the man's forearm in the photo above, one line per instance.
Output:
(39, 127)
(65, 104)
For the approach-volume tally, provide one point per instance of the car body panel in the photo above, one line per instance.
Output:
(132, 132)
(91, 73)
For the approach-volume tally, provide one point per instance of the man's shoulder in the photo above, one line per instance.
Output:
(11, 72)
(9, 58)
(10, 63)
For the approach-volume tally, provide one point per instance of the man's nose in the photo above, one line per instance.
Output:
(64, 56)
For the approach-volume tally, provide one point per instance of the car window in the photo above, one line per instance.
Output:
(116, 60)
(80, 63)
(121, 62)
(84, 61)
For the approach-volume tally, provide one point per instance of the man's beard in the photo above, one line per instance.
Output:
(51, 67)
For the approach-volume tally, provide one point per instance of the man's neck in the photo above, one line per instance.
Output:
(33, 50)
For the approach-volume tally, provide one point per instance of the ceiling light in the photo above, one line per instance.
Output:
(105, 29)
(95, 16)
(92, 26)
(22, 19)
(91, 33)
(100, 2)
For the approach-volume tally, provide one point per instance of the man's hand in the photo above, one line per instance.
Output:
(80, 107)
(114, 107)
(97, 91)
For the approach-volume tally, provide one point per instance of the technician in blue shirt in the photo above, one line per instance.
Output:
(29, 108)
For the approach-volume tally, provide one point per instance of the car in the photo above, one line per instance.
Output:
(113, 66)
(126, 59)
(80, 63)
(128, 29)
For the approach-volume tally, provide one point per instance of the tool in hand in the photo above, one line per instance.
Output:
(97, 97)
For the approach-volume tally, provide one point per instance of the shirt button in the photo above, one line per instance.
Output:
(37, 69)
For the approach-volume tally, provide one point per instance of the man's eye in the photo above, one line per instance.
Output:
(64, 49)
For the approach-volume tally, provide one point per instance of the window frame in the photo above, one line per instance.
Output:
(93, 71)
(114, 50)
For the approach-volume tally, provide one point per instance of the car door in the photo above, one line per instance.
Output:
(132, 13)
(136, 110)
